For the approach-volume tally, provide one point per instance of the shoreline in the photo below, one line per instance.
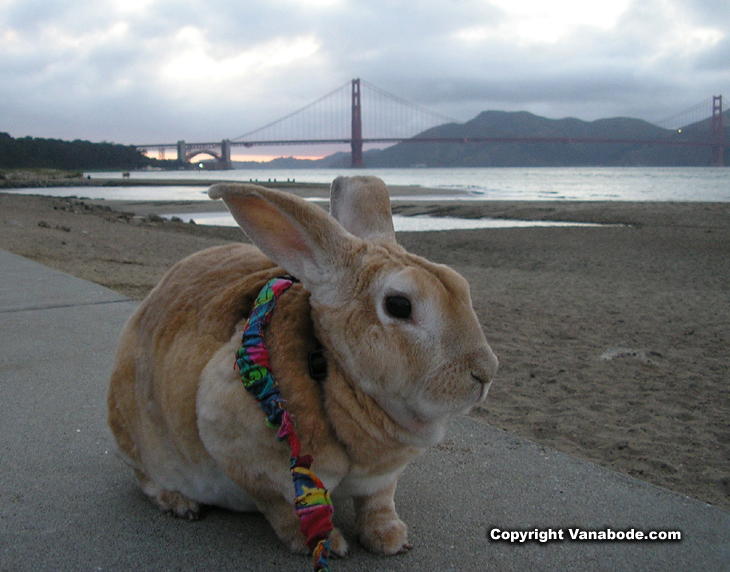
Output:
(612, 340)
(685, 214)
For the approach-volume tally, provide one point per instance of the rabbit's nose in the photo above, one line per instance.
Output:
(477, 376)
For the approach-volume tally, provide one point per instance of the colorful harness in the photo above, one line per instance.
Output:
(312, 503)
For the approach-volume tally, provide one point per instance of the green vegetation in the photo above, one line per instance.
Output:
(17, 178)
(35, 153)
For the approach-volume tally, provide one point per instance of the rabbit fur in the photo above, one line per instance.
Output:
(193, 435)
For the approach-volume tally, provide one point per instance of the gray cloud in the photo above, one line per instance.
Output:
(157, 70)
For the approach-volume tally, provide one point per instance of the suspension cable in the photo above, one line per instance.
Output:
(292, 113)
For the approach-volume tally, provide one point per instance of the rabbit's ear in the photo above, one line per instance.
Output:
(362, 206)
(298, 236)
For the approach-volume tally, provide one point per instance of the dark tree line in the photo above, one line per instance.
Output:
(33, 152)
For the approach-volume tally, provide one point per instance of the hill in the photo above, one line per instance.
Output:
(32, 153)
(524, 154)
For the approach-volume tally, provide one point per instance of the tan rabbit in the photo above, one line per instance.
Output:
(404, 351)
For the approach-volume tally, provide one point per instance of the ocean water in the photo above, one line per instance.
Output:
(710, 184)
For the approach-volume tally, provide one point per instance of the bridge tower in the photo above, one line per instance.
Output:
(717, 135)
(356, 141)
(225, 160)
(182, 152)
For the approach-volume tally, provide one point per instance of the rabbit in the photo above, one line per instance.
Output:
(404, 348)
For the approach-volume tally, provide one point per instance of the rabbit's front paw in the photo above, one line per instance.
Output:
(338, 544)
(385, 534)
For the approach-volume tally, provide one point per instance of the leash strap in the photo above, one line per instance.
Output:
(312, 503)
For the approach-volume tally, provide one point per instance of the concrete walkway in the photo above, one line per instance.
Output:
(67, 503)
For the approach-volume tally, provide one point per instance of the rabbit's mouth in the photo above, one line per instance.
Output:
(423, 413)
(484, 391)
(455, 387)
(485, 385)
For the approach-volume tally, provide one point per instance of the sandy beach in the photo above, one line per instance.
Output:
(613, 340)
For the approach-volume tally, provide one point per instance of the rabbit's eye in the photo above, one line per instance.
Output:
(398, 307)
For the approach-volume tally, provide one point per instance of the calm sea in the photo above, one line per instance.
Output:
(529, 184)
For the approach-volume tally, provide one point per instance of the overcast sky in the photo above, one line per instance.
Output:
(145, 71)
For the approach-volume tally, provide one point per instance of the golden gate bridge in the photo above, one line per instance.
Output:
(337, 119)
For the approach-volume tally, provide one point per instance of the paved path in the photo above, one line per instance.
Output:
(67, 503)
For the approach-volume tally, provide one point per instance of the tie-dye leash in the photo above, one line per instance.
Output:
(312, 503)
